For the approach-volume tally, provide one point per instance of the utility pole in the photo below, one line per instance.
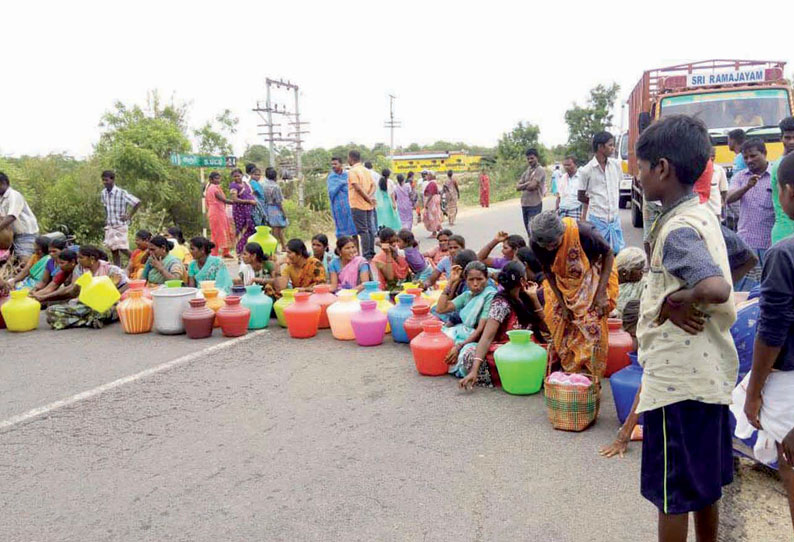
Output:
(272, 136)
(391, 124)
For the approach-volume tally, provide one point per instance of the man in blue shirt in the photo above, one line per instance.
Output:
(340, 206)
(736, 139)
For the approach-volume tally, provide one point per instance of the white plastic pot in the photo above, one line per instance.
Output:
(169, 304)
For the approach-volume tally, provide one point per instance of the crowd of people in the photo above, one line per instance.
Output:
(563, 281)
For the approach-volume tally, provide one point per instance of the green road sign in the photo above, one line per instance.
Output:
(201, 160)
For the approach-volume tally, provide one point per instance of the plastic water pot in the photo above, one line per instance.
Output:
(521, 363)
(21, 313)
(323, 297)
(429, 349)
(620, 344)
(397, 316)
(340, 313)
(369, 324)
(259, 304)
(369, 287)
(303, 316)
(98, 293)
(287, 298)
(625, 384)
(265, 239)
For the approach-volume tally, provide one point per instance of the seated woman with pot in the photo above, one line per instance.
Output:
(303, 271)
(207, 267)
(161, 265)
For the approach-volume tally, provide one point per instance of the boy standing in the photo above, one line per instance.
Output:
(685, 345)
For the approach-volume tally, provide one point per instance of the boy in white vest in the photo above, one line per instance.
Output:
(685, 345)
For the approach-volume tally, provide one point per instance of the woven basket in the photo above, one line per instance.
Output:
(572, 408)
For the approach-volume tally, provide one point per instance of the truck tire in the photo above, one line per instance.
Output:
(623, 201)
(636, 214)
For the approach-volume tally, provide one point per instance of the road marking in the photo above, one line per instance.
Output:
(88, 394)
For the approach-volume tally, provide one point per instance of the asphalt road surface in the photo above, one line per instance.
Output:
(105, 436)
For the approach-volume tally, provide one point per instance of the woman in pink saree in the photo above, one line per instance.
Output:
(348, 270)
(216, 215)
(432, 215)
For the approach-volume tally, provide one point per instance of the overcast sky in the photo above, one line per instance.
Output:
(461, 71)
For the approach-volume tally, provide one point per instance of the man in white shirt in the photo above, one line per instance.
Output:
(568, 203)
(719, 187)
(599, 191)
(16, 214)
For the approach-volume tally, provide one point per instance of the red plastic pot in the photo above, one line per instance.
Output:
(198, 319)
(430, 348)
(233, 317)
(303, 317)
(413, 324)
(620, 344)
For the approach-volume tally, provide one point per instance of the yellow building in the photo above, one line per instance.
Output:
(437, 161)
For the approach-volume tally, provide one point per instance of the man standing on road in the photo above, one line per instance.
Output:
(784, 226)
(16, 214)
(340, 206)
(533, 185)
(360, 190)
(116, 201)
(752, 187)
(599, 191)
(568, 203)
(719, 187)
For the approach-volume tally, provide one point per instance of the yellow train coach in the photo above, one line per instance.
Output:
(439, 162)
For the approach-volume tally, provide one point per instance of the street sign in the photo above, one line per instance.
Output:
(202, 160)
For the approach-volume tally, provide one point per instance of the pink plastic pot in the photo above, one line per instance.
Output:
(369, 324)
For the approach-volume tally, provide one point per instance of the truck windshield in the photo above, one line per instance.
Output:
(731, 109)
(624, 146)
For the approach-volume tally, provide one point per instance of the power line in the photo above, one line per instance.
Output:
(273, 133)
(391, 124)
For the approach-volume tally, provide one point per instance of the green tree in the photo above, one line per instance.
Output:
(513, 145)
(258, 154)
(584, 122)
(211, 136)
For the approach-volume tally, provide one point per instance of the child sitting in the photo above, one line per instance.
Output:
(420, 269)
(392, 268)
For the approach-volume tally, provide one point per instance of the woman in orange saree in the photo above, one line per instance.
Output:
(580, 291)
(216, 215)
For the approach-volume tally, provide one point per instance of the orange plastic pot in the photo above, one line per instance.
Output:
(136, 313)
(413, 325)
(302, 317)
(430, 348)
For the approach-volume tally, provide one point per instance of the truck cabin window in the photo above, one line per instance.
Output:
(731, 109)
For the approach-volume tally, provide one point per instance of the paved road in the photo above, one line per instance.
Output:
(272, 439)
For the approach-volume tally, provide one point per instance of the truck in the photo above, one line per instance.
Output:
(724, 94)
(622, 154)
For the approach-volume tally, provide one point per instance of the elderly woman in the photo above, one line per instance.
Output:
(631, 264)
(161, 265)
(303, 271)
(581, 290)
(74, 313)
(515, 307)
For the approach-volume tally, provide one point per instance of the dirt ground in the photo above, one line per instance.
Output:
(754, 507)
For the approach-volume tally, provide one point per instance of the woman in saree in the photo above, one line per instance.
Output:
(303, 271)
(33, 271)
(348, 270)
(243, 203)
(581, 290)
(321, 252)
(161, 264)
(515, 307)
(385, 204)
(74, 313)
(472, 307)
(139, 255)
(216, 203)
(405, 202)
(452, 193)
(432, 205)
(205, 266)
(485, 189)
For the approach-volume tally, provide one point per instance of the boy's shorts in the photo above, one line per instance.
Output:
(687, 456)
